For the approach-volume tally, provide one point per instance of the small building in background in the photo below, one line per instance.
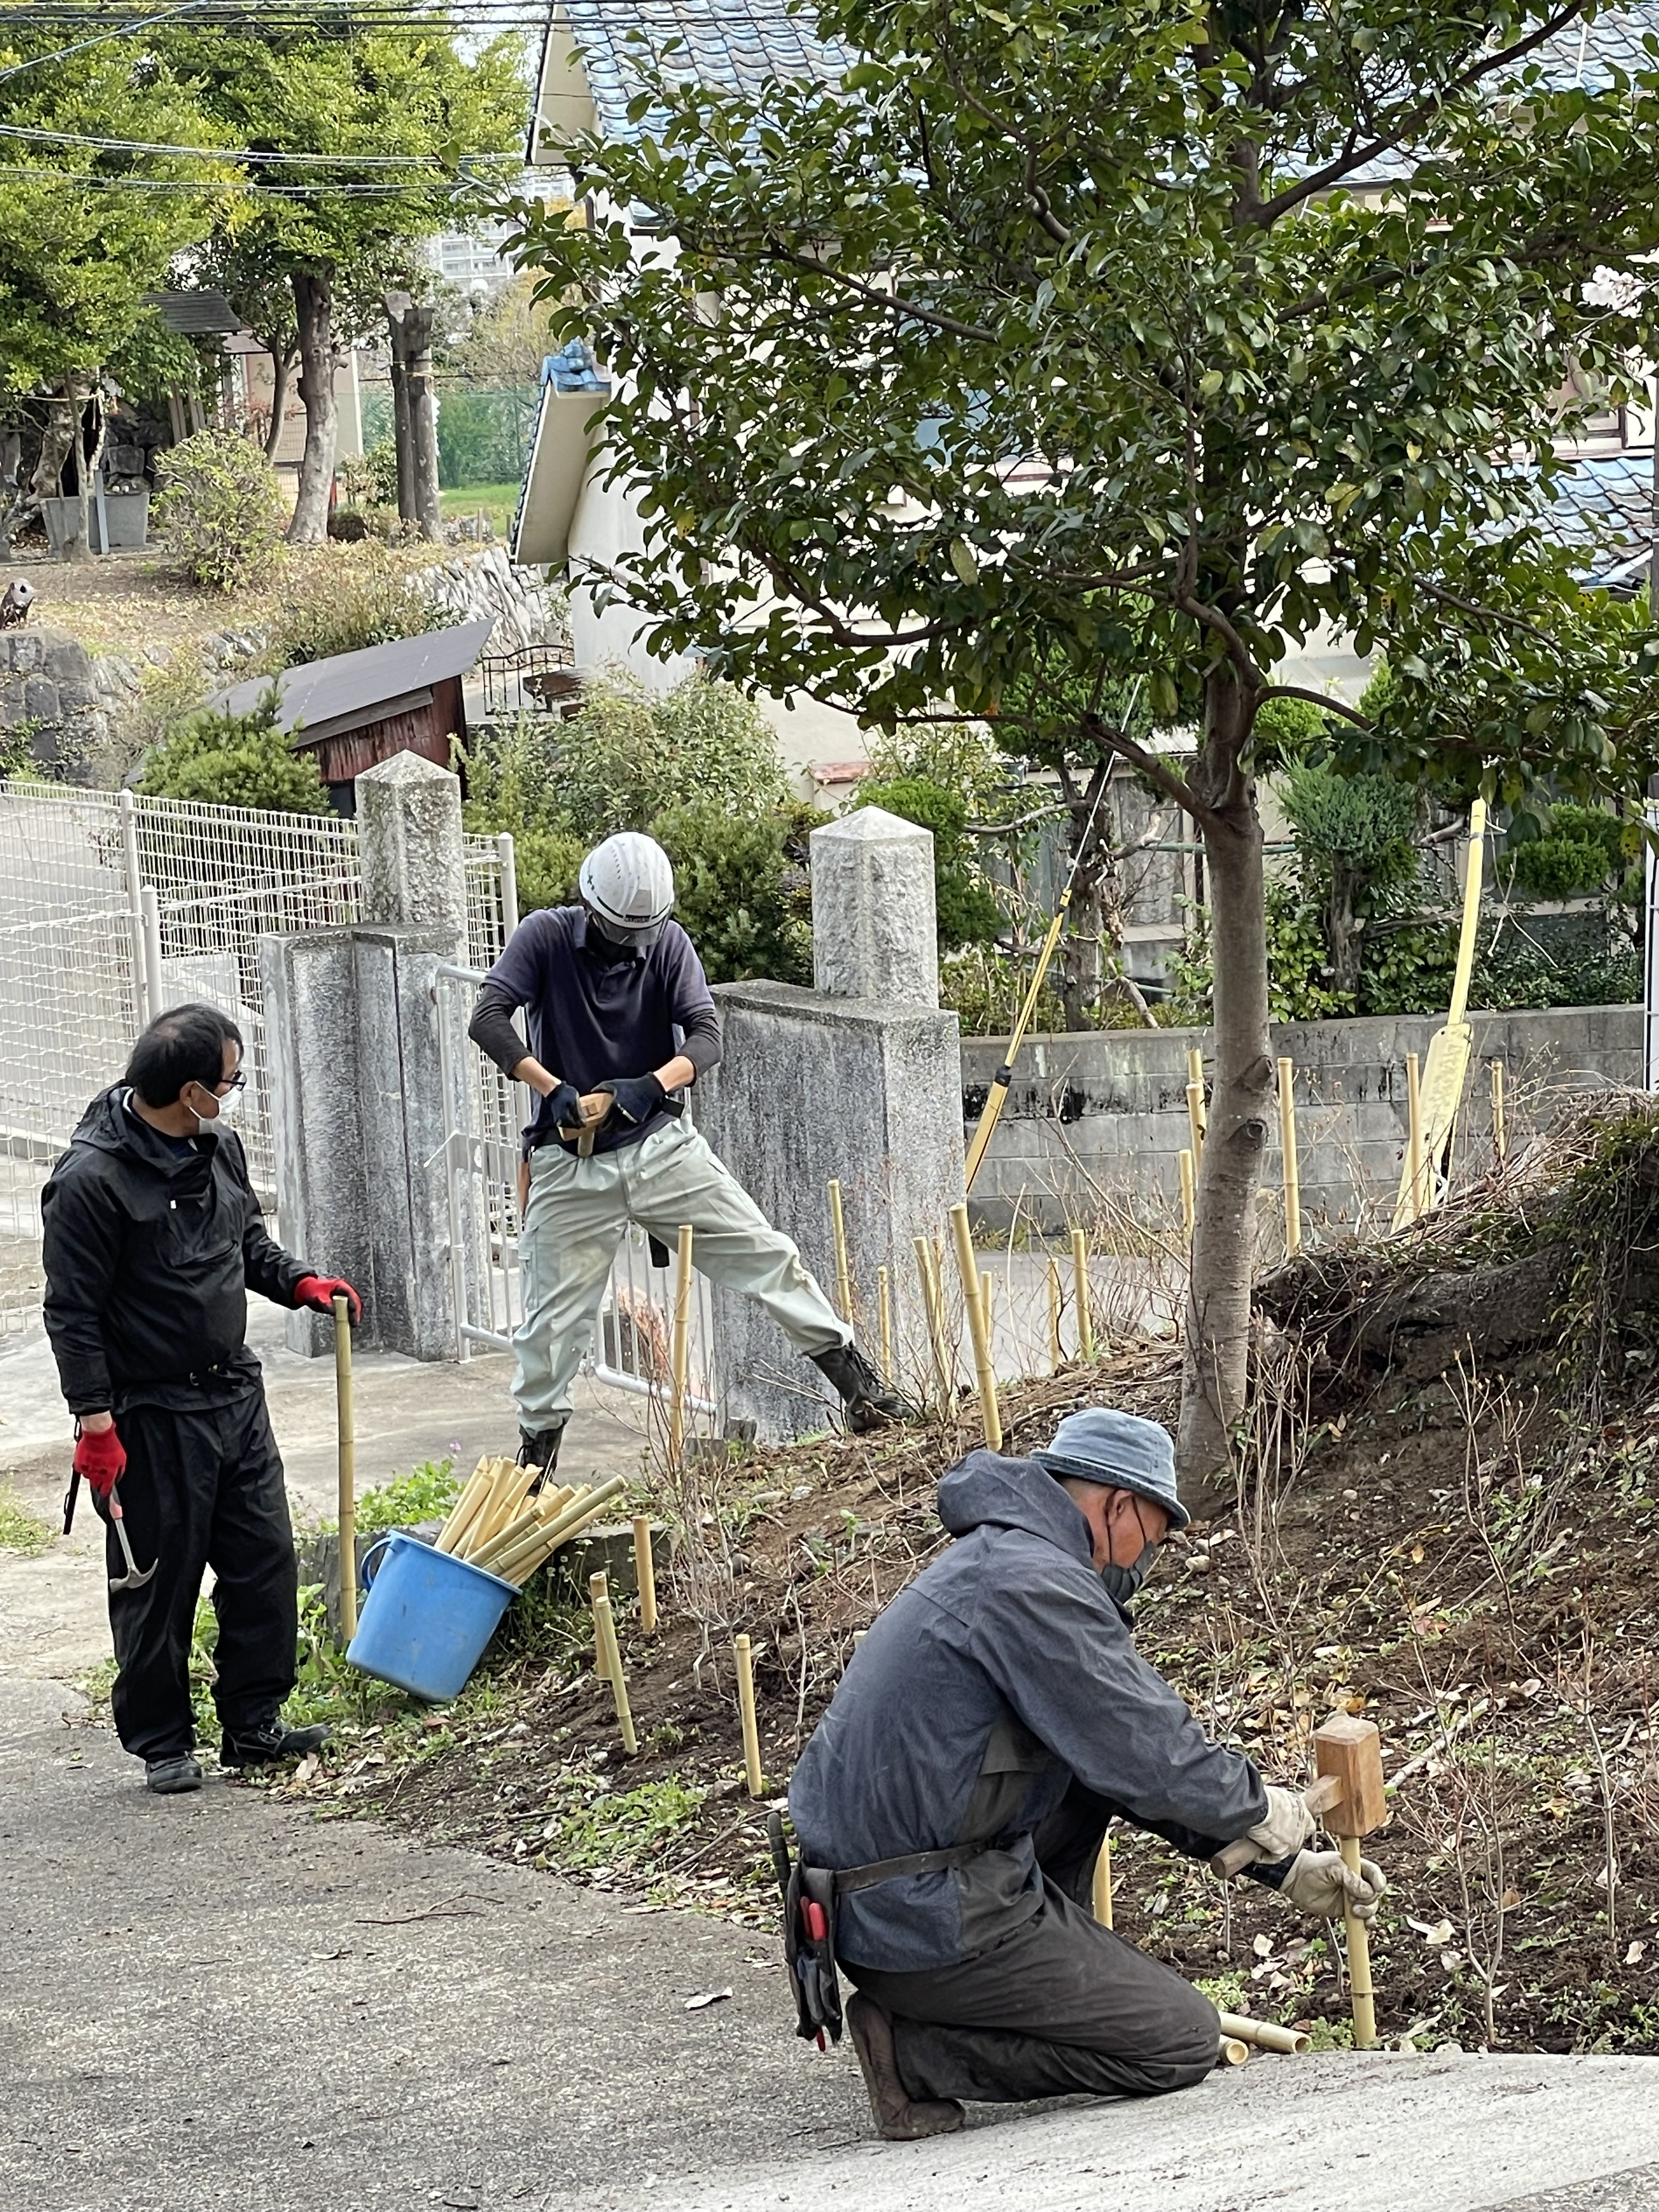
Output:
(355, 709)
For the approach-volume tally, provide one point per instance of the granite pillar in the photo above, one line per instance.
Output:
(859, 1079)
(411, 847)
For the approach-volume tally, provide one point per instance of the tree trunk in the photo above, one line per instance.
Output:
(1216, 1368)
(313, 305)
(1340, 928)
(283, 361)
(56, 440)
(410, 326)
(1081, 947)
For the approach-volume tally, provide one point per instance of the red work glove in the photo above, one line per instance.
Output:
(320, 1291)
(100, 1461)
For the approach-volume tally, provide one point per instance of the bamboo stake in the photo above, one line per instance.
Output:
(1361, 1990)
(1189, 1193)
(1500, 1135)
(1292, 1171)
(1195, 1067)
(1196, 1121)
(931, 1306)
(644, 1573)
(884, 1302)
(1231, 2052)
(514, 1534)
(1056, 1354)
(461, 1512)
(681, 1350)
(988, 1298)
(580, 1511)
(599, 1589)
(1265, 2034)
(751, 1758)
(1085, 1320)
(348, 1472)
(990, 1412)
(1414, 1135)
(838, 1232)
(1102, 1883)
(605, 1632)
(500, 1506)
(466, 1531)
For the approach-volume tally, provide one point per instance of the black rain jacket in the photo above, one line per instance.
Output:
(1003, 1672)
(150, 1255)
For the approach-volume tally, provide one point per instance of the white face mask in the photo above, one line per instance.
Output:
(230, 1105)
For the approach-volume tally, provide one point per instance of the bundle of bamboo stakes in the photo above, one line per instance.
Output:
(503, 1523)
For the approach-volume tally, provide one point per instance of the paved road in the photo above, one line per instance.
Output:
(217, 2003)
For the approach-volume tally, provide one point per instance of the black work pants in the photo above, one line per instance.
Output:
(202, 1489)
(1060, 2005)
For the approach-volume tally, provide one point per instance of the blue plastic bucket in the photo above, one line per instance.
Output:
(427, 1617)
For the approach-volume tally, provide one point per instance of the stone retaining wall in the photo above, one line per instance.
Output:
(1104, 1113)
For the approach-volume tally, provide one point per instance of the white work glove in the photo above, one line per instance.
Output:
(1321, 1885)
(1286, 1827)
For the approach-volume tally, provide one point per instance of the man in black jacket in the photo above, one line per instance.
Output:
(153, 1239)
(995, 1721)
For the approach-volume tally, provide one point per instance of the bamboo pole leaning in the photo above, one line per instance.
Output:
(1417, 1160)
(1189, 1193)
(884, 1305)
(348, 1466)
(990, 1411)
(1101, 1888)
(604, 1629)
(1500, 1135)
(599, 1586)
(1056, 1352)
(744, 1653)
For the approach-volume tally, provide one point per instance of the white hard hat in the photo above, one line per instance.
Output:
(628, 886)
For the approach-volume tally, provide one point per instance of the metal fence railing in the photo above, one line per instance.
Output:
(113, 907)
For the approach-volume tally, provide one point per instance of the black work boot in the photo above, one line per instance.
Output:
(899, 2116)
(170, 1776)
(870, 1403)
(264, 1745)
(540, 1448)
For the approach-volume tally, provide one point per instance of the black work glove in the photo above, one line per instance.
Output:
(637, 1098)
(565, 1101)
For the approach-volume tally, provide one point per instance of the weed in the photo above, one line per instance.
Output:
(425, 1493)
(592, 1826)
(19, 1529)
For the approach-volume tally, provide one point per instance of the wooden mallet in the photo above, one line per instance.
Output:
(1347, 1796)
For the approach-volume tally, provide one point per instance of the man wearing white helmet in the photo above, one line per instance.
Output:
(618, 1004)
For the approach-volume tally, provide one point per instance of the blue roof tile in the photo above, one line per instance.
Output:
(731, 45)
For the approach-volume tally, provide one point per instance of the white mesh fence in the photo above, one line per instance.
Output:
(113, 906)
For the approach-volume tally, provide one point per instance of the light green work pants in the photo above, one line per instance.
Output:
(574, 1221)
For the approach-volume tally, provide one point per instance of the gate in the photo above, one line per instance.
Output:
(483, 1113)
(113, 907)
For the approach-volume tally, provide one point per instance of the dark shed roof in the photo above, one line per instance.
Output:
(343, 692)
(195, 314)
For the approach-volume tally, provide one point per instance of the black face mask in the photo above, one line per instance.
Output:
(1122, 1583)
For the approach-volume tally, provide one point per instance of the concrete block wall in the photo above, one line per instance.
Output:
(1105, 1113)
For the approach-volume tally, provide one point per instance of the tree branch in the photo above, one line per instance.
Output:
(1315, 698)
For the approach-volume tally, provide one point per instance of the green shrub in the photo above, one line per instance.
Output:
(425, 1493)
(236, 760)
(733, 893)
(221, 509)
(629, 750)
(966, 907)
(370, 606)
(370, 479)
(1583, 850)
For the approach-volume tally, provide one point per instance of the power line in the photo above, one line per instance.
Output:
(92, 180)
(40, 136)
(121, 31)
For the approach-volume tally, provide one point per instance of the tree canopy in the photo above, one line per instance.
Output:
(1061, 343)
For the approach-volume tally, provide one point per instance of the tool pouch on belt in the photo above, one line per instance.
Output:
(809, 1940)
(809, 1921)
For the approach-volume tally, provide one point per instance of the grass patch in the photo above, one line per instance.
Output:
(19, 1529)
(498, 501)
(593, 1826)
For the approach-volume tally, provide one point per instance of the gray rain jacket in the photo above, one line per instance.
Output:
(1003, 1672)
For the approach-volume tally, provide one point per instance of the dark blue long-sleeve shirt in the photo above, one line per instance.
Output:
(595, 1011)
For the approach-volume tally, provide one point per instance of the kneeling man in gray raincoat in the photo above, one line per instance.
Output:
(995, 1720)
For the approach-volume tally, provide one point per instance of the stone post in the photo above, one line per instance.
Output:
(357, 1115)
(409, 840)
(859, 1079)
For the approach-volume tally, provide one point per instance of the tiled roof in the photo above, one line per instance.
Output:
(1588, 53)
(1605, 506)
(731, 45)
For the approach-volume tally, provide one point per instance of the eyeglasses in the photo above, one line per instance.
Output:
(236, 1082)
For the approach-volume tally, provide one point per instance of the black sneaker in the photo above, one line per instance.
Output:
(170, 1776)
(540, 1448)
(870, 1403)
(264, 1745)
